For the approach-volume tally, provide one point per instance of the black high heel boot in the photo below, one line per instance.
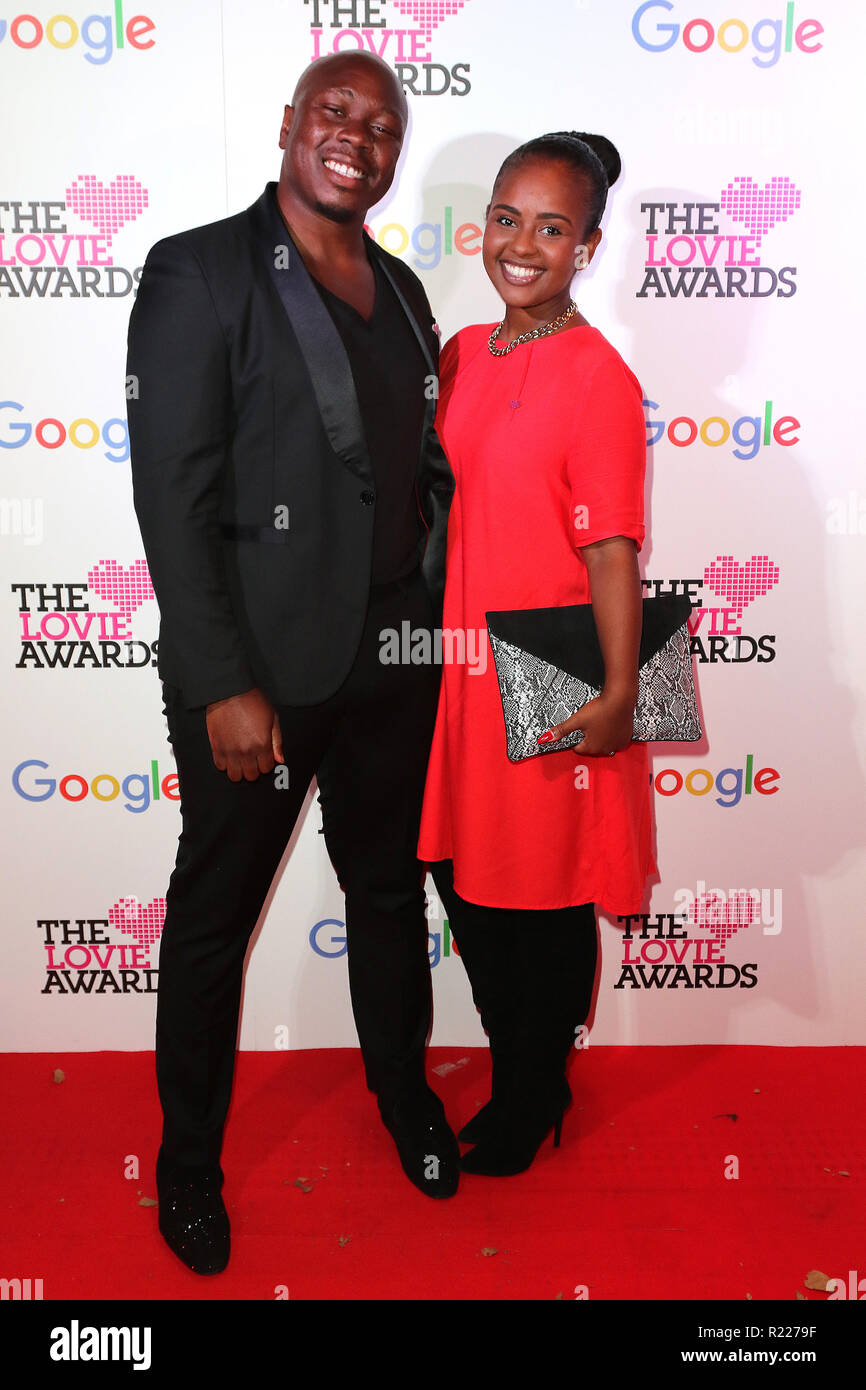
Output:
(481, 947)
(475, 1129)
(517, 1127)
(480, 1124)
(521, 1012)
(531, 974)
(531, 1093)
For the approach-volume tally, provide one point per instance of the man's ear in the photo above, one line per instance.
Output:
(288, 113)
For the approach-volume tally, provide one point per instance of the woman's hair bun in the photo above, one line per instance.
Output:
(606, 151)
(593, 158)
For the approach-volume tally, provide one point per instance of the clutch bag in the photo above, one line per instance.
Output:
(549, 665)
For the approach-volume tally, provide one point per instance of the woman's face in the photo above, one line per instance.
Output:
(533, 235)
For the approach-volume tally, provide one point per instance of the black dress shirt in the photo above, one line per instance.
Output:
(389, 374)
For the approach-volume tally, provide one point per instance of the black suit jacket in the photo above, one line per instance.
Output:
(246, 404)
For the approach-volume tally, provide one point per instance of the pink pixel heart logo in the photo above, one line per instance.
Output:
(740, 584)
(722, 916)
(429, 14)
(107, 207)
(144, 923)
(760, 209)
(126, 589)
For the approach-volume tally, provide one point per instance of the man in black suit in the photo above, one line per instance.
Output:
(293, 498)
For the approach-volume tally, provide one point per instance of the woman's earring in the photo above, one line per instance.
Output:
(581, 257)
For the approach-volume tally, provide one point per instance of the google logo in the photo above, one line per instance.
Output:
(731, 36)
(139, 788)
(50, 433)
(439, 945)
(749, 432)
(732, 783)
(430, 240)
(97, 32)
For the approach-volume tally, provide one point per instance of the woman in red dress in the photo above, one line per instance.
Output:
(543, 425)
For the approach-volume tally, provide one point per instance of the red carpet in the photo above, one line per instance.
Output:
(634, 1205)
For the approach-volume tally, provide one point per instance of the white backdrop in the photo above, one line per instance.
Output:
(736, 299)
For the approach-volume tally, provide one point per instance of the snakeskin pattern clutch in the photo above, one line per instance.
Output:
(549, 665)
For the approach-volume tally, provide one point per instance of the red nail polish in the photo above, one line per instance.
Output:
(544, 738)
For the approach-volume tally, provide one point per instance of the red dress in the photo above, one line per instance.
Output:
(554, 427)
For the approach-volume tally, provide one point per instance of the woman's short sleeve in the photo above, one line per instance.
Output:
(606, 461)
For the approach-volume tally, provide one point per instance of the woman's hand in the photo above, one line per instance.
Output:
(615, 589)
(607, 723)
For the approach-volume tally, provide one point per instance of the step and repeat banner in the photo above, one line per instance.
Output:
(729, 277)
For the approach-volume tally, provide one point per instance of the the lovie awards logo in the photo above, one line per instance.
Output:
(403, 32)
(688, 949)
(690, 255)
(716, 628)
(56, 249)
(60, 629)
(103, 955)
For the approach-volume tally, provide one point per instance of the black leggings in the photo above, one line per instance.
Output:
(532, 970)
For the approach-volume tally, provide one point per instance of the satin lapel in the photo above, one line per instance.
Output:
(320, 343)
(383, 262)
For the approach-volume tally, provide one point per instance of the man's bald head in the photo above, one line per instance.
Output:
(341, 137)
(335, 69)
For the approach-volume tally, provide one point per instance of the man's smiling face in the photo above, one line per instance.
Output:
(343, 135)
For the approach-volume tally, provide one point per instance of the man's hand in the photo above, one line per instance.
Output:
(244, 733)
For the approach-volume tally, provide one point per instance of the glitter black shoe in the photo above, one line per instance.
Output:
(425, 1143)
(192, 1216)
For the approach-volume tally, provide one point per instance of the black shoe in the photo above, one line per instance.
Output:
(192, 1216)
(515, 1131)
(504, 1066)
(425, 1143)
(509, 1077)
(475, 1129)
(483, 1123)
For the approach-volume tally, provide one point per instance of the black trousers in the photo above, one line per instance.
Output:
(368, 745)
(532, 973)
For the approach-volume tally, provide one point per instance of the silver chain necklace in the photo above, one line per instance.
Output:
(541, 332)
